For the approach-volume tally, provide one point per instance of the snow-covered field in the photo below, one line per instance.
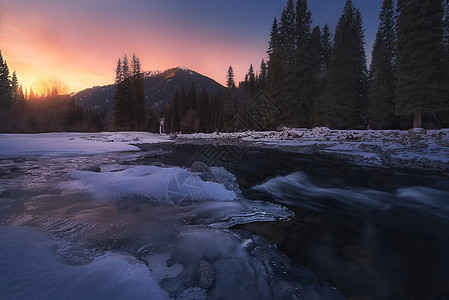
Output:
(66, 144)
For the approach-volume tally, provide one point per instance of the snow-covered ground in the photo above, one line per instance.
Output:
(66, 144)
(414, 149)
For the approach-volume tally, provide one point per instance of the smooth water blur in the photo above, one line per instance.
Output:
(374, 233)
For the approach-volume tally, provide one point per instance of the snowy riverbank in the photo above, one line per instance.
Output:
(414, 149)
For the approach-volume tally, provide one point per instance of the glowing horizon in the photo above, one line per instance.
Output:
(79, 42)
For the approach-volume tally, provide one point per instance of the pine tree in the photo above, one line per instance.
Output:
(121, 109)
(274, 76)
(381, 93)
(32, 96)
(14, 88)
(345, 95)
(230, 83)
(22, 99)
(316, 52)
(288, 32)
(420, 58)
(5, 84)
(138, 94)
(326, 46)
(251, 79)
(129, 107)
(118, 72)
(125, 68)
(263, 75)
(303, 87)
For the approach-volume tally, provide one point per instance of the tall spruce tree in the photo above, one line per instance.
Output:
(274, 68)
(381, 94)
(129, 107)
(5, 84)
(120, 107)
(287, 30)
(345, 95)
(303, 86)
(420, 64)
(326, 46)
(316, 52)
(230, 83)
(263, 75)
(138, 94)
(15, 93)
(251, 82)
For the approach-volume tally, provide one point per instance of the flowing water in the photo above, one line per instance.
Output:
(259, 224)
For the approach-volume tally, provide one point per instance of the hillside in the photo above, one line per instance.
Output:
(159, 89)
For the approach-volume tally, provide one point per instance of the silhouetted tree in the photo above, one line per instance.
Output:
(421, 69)
(382, 87)
(345, 94)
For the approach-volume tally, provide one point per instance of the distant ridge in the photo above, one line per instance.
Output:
(160, 86)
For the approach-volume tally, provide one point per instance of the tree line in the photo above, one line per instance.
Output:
(320, 81)
(193, 111)
(315, 78)
(28, 112)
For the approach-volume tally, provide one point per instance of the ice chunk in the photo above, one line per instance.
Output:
(163, 185)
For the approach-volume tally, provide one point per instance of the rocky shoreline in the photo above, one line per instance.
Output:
(415, 149)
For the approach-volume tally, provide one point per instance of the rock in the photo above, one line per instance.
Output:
(199, 167)
(95, 169)
(206, 275)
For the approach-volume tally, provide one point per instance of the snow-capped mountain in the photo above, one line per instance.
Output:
(160, 86)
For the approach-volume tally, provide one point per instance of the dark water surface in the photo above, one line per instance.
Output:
(373, 233)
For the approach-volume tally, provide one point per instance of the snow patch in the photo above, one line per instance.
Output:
(68, 144)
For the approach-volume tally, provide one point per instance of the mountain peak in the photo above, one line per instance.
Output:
(182, 68)
(160, 86)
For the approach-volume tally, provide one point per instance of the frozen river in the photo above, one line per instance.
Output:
(148, 225)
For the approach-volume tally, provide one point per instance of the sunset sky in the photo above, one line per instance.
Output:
(80, 41)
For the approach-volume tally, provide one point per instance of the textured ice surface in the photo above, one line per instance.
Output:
(137, 232)
(164, 185)
(29, 269)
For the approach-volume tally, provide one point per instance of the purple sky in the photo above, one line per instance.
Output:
(80, 41)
